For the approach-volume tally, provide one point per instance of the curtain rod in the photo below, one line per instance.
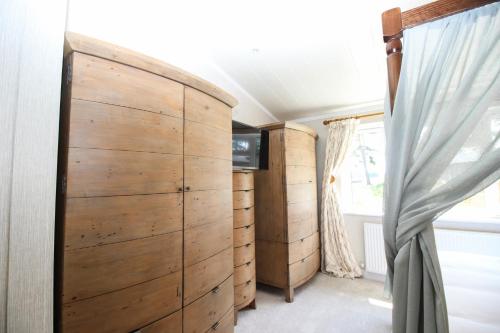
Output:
(326, 122)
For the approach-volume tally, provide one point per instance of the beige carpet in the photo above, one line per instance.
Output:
(327, 304)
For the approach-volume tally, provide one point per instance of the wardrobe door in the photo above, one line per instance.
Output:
(208, 211)
(122, 221)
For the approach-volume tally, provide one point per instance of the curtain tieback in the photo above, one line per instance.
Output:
(332, 179)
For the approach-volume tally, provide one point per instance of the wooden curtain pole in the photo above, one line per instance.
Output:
(394, 22)
(326, 122)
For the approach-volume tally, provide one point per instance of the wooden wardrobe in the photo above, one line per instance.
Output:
(286, 220)
(144, 230)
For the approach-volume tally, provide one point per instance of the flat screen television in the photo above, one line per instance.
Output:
(250, 147)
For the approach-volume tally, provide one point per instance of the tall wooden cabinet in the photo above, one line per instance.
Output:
(145, 233)
(286, 221)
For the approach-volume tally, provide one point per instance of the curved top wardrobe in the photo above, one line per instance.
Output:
(144, 229)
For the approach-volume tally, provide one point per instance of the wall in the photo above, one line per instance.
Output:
(31, 50)
(168, 31)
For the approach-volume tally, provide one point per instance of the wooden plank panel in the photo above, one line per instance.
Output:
(202, 173)
(169, 324)
(244, 273)
(99, 80)
(244, 294)
(95, 172)
(303, 157)
(301, 192)
(127, 309)
(243, 217)
(270, 194)
(299, 140)
(243, 199)
(305, 269)
(203, 207)
(97, 125)
(97, 270)
(242, 180)
(201, 315)
(302, 220)
(271, 263)
(204, 241)
(244, 254)
(105, 220)
(244, 236)
(207, 110)
(206, 141)
(303, 248)
(206, 275)
(299, 174)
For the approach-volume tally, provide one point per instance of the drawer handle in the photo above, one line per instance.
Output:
(303, 260)
(248, 282)
(247, 245)
(302, 239)
(188, 188)
(248, 263)
(216, 326)
(247, 208)
(246, 190)
(179, 189)
(247, 226)
(216, 290)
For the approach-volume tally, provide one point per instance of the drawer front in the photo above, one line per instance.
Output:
(95, 172)
(97, 270)
(244, 236)
(206, 141)
(225, 325)
(304, 269)
(244, 293)
(99, 80)
(295, 156)
(203, 173)
(105, 220)
(204, 207)
(244, 273)
(299, 174)
(207, 240)
(202, 277)
(170, 324)
(302, 220)
(105, 126)
(125, 310)
(202, 314)
(242, 181)
(303, 248)
(301, 193)
(243, 199)
(207, 110)
(243, 217)
(244, 254)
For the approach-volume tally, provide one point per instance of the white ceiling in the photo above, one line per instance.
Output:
(292, 58)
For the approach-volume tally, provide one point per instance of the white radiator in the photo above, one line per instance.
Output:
(447, 241)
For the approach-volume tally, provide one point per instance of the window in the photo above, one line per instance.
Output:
(362, 180)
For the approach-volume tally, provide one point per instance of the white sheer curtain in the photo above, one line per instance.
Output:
(442, 147)
(337, 257)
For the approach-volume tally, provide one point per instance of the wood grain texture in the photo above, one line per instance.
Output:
(271, 263)
(244, 294)
(206, 141)
(299, 174)
(244, 273)
(205, 207)
(291, 125)
(83, 44)
(202, 108)
(225, 325)
(97, 125)
(105, 220)
(301, 192)
(97, 270)
(204, 241)
(94, 172)
(30, 91)
(100, 80)
(243, 199)
(202, 277)
(125, 310)
(243, 217)
(303, 248)
(244, 236)
(303, 270)
(203, 173)
(170, 324)
(243, 180)
(244, 254)
(302, 220)
(202, 314)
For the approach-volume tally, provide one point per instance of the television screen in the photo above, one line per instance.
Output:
(249, 147)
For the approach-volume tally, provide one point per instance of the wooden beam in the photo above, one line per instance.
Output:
(439, 9)
(392, 28)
